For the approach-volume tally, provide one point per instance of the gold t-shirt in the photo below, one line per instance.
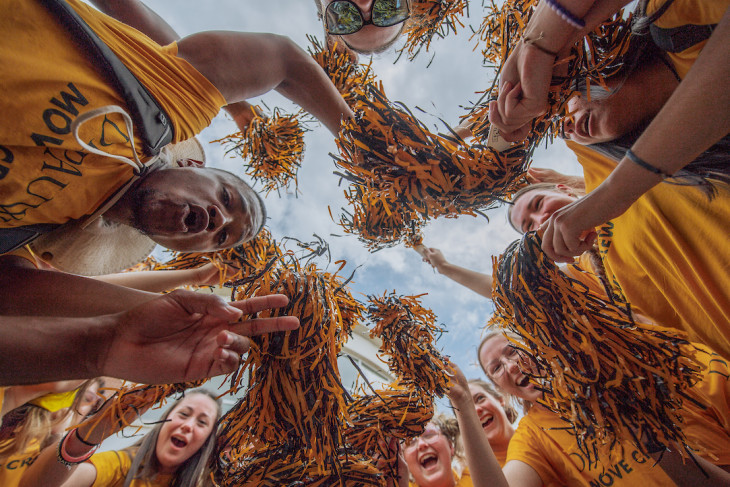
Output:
(112, 468)
(47, 82)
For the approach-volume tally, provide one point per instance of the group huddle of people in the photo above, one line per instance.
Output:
(99, 163)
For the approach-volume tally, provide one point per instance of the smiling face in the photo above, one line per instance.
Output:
(195, 209)
(370, 38)
(533, 208)
(188, 426)
(599, 120)
(631, 103)
(506, 367)
(491, 415)
(429, 458)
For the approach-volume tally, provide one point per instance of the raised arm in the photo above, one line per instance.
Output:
(483, 465)
(476, 281)
(696, 116)
(178, 337)
(47, 470)
(243, 66)
(164, 280)
(38, 292)
(526, 74)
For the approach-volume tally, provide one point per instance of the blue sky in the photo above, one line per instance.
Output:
(441, 89)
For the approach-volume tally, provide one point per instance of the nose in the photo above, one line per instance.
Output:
(216, 218)
(186, 425)
(366, 8)
(511, 365)
(480, 408)
(569, 125)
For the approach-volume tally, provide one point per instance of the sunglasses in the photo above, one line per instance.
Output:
(343, 17)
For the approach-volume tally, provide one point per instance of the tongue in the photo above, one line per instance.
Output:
(178, 443)
(430, 462)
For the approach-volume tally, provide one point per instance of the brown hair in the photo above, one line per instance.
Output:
(521, 192)
(508, 398)
(506, 401)
(192, 472)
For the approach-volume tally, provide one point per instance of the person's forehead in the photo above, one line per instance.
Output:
(477, 389)
(493, 348)
(198, 402)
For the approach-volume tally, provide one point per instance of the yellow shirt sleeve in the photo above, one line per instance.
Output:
(683, 12)
(111, 468)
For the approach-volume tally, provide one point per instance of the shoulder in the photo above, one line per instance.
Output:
(683, 12)
(111, 467)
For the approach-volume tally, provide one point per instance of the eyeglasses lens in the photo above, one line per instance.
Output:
(343, 18)
(389, 12)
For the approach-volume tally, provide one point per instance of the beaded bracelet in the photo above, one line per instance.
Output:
(68, 460)
(566, 14)
(642, 163)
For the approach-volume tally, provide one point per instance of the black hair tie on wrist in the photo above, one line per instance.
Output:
(642, 163)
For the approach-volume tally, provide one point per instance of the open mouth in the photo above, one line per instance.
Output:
(524, 381)
(178, 442)
(428, 461)
(488, 420)
(586, 129)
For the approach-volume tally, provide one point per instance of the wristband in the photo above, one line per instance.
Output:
(68, 460)
(565, 14)
(78, 437)
(533, 43)
(643, 164)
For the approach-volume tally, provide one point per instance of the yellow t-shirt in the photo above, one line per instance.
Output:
(683, 12)
(461, 481)
(47, 82)
(708, 429)
(541, 442)
(12, 467)
(112, 468)
(669, 253)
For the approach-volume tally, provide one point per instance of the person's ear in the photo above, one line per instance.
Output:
(190, 163)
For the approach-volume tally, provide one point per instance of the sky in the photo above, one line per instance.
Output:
(441, 82)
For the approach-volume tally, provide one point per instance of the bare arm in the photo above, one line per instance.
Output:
(178, 337)
(243, 66)
(483, 465)
(47, 470)
(51, 293)
(138, 15)
(164, 280)
(476, 281)
(695, 116)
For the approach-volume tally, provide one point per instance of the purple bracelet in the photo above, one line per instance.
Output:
(565, 14)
